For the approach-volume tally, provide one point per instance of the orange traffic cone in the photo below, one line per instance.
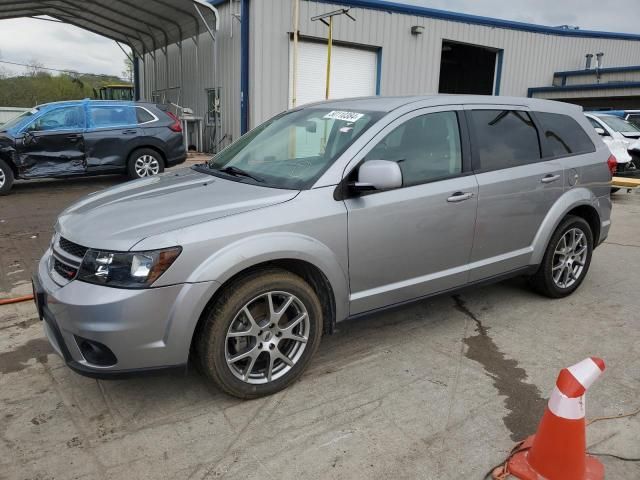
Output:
(557, 450)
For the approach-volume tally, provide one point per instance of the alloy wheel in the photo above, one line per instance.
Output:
(146, 166)
(569, 258)
(2, 178)
(267, 337)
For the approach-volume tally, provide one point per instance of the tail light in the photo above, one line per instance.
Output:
(612, 163)
(176, 126)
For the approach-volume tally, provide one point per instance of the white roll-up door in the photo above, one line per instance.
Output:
(353, 72)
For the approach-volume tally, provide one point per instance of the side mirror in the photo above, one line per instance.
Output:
(378, 175)
(600, 131)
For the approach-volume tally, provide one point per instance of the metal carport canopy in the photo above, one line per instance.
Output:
(143, 25)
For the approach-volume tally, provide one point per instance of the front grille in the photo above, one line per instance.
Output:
(65, 271)
(72, 248)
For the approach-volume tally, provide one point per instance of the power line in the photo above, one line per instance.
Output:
(71, 72)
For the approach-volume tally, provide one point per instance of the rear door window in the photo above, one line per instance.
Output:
(111, 116)
(503, 139)
(564, 136)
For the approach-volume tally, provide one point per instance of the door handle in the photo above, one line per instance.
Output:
(74, 137)
(459, 197)
(550, 178)
(129, 132)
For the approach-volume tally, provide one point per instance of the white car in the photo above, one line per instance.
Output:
(622, 138)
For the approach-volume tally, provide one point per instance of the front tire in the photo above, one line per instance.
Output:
(566, 260)
(260, 334)
(144, 162)
(6, 178)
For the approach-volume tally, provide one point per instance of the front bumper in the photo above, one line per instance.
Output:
(147, 329)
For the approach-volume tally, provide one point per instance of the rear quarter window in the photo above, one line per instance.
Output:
(564, 136)
(503, 139)
(143, 116)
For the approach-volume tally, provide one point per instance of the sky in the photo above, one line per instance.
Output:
(67, 47)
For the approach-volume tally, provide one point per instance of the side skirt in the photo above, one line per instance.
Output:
(524, 271)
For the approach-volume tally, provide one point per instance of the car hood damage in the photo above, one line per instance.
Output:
(119, 217)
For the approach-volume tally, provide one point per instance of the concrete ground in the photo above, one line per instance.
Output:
(438, 390)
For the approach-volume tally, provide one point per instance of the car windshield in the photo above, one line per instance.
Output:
(19, 120)
(293, 149)
(619, 125)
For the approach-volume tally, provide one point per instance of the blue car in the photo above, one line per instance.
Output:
(89, 137)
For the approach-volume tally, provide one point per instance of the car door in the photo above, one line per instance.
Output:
(516, 188)
(52, 145)
(113, 133)
(414, 240)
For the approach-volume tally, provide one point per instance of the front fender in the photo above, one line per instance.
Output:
(568, 201)
(248, 252)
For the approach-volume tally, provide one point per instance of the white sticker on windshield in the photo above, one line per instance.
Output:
(344, 116)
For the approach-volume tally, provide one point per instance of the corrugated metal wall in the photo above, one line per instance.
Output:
(411, 64)
(196, 73)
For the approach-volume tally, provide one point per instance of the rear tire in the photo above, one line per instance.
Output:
(144, 162)
(6, 178)
(275, 340)
(566, 260)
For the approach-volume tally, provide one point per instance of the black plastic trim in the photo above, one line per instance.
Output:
(523, 271)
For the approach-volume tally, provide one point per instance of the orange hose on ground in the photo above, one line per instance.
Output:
(7, 301)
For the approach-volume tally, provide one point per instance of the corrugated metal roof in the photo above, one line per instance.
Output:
(145, 26)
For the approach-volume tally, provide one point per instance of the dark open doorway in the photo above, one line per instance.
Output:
(467, 69)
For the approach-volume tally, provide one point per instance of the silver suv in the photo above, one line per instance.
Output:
(322, 214)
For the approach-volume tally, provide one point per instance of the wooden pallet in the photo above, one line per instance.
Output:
(622, 182)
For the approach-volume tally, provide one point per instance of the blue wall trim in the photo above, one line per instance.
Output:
(589, 86)
(244, 66)
(378, 70)
(499, 58)
(575, 73)
(478, 20)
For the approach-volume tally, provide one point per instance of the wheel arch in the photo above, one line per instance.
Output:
(580, 202)
(298, 254)
(307, 271)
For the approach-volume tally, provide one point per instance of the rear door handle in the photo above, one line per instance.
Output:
(459, 197)
(74, 137)
(129, 132)
(550, 178)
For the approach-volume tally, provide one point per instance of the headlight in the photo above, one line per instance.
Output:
(126, 269)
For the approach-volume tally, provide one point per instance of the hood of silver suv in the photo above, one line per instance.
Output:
(119, 217)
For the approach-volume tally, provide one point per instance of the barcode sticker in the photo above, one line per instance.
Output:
(344, 116)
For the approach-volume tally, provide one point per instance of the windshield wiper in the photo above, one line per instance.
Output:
(238, 172)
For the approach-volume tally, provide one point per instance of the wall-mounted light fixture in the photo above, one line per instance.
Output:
(417, 30)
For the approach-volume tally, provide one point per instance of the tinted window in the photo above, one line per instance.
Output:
(618, 124)
(504, 138)
(65, 118)
(635, 119)
(564, 135)
(111, 116)
(143, 116)
(426, 148)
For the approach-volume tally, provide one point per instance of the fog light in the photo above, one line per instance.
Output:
(96, 353)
